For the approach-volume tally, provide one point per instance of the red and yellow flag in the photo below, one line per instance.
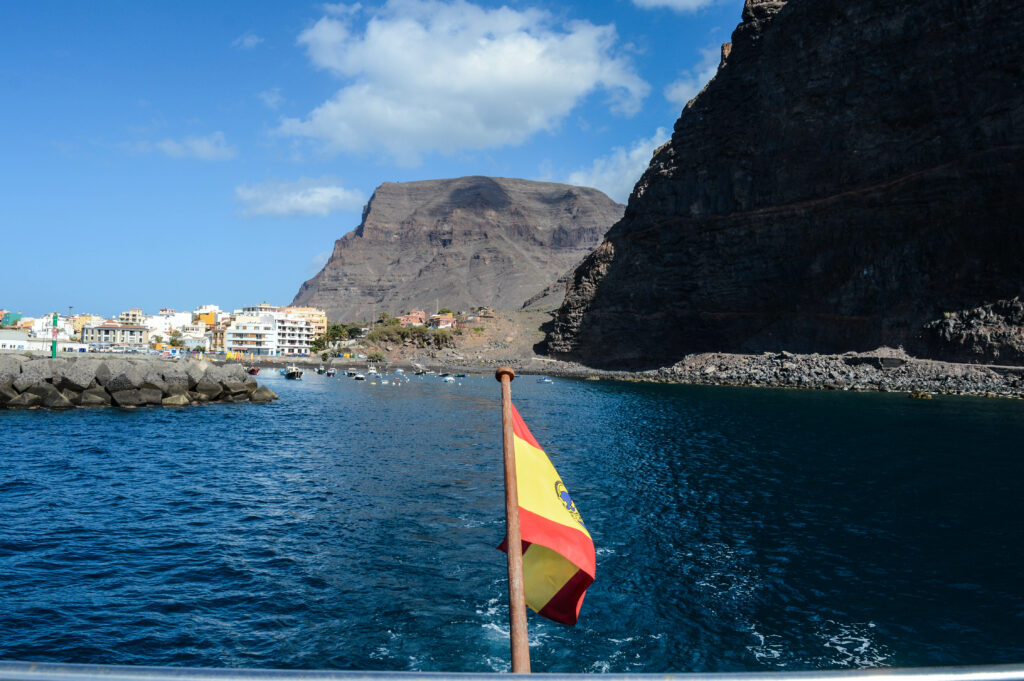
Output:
(558, 553)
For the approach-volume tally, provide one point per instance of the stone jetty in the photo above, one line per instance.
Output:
(27, 383)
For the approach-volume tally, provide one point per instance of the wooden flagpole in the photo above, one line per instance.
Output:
(516, 589)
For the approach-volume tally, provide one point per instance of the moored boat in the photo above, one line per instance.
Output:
(293, 372)
(252, 370)
(332, 371)
(359, 377)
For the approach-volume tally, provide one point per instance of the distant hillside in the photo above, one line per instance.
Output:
(458, 243)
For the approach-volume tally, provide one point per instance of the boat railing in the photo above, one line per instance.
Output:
(48, 671)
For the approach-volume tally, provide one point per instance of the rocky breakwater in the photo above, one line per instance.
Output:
(850, 176)
(27, 383)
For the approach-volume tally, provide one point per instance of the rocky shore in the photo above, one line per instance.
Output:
(881, 370)
(28, 383)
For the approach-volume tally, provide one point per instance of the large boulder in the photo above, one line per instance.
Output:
(33, 372)
(152, 379)
(7, 393)
(94, 397)
(108, 368)
(151, 396)
(128, 398)
(176, 380)
(79, 375)
(128, 377)
(195, 371)
(25, 400)
(210, 389)
(176, 400)
(263, 395)
(10, 368)
(235, 387)
(75, 398)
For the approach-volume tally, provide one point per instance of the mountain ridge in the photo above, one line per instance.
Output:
(459, 243)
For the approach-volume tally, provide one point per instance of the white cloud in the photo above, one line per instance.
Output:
(340, 9)
(677, 5)
(441, 76)
(617, 173)
(246, 41)
(317, 262)
(693, 80)
(272, 98)
(213, 147)
(303, 197)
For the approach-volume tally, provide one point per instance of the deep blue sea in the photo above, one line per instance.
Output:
(354, 526)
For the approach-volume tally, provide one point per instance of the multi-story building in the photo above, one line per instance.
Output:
(133, 317)
(215, 337)
(294, 336)
(10, 319)
(110, 333)
(252, 334)
(314, 315)
(262, 308)
(80, 320)
(166, 321)
(43, 327)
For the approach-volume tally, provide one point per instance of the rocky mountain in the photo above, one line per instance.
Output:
(458, 243)
(853, 172)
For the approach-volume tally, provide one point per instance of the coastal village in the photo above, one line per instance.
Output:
(258, 331)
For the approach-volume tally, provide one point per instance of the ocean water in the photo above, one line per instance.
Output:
(354, 526)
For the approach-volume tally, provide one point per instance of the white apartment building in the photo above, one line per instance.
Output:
(43, 328)
(252, 334)
(167, 320)
(271, 334)
(294, 336)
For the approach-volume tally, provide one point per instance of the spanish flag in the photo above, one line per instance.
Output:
(558, 553)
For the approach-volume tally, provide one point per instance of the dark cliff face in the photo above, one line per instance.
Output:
(852, 173)
(458, 243)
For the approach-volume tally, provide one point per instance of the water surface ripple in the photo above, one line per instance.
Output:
(352, 526)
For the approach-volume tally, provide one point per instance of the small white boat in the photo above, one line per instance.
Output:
(448, 379)
(544, 379)
(359, 377)
(293, 372)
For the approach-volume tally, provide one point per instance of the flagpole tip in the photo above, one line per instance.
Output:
(504, 371)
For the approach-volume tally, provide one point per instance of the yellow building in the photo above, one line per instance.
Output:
(208, 318)
(313, 315)
(80, 320)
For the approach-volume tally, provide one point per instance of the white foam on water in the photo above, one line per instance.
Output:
(854, 644)
(768, 650)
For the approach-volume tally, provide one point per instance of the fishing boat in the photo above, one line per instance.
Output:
(321, 370)
(448, 379)
(252, 371)
(293, 372)
(332, 371)
(359, 377)
(351, 372)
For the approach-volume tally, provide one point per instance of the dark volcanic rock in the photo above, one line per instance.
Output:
(852, 172)
(990, 333)
(458, 243)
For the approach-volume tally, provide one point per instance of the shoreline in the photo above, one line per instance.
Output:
(881, 370)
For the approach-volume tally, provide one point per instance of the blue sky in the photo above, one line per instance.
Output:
(177, 154)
